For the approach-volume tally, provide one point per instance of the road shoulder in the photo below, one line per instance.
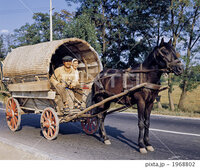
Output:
(18, 152)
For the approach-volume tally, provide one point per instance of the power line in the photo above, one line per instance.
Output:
(26, 6)
(18, 11)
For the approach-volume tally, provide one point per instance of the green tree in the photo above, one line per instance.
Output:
(64, 26)
(124, 28)
(82, 27)
(191, 44)
(97, 11)
(178, 19)
(146, 20)
(1, 47)
(39, 31)
(26, 35)
(9, 43)
(60, 20)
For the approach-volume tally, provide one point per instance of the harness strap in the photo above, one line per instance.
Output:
(168, 62)
(153, 86)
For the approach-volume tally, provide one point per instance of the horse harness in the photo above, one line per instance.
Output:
(169, 63)
(126, 74)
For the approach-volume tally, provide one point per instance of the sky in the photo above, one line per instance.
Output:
(15, 13)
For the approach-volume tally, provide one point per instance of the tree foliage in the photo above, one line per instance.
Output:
(64, 26)
(39, 31)
(2, 54)
(127, 30)
(82, 27)
(191, 41)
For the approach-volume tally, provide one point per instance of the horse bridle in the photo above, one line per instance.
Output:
(169, 63)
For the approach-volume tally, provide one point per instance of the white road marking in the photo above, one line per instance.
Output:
(174, 132)
(164, 116)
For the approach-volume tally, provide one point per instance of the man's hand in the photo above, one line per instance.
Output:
(71, 86)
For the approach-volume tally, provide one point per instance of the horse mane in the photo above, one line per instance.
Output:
(150, 58)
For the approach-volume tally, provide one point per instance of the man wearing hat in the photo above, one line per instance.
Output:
(63, 78)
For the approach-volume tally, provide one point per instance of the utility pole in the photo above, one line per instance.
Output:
(51, 27)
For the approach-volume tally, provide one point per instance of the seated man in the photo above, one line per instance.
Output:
(63, 78)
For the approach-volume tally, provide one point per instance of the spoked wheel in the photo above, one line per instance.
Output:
(13, 115)
(49, 123)
(90, 125)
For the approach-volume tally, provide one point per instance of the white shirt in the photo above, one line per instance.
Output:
(76, 76)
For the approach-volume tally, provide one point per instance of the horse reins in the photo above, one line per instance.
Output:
(168, 62)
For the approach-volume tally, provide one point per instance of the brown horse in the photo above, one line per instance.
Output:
(112, 81)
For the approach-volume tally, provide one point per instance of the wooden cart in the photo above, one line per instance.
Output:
(26, 73)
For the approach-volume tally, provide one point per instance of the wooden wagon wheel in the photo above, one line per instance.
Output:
(13, 114)
(49, 123)
(90, 125)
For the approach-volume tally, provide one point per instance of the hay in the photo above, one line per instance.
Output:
(36, 59)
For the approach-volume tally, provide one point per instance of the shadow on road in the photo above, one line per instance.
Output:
(33, 120)
(118, 134)
(70, 128)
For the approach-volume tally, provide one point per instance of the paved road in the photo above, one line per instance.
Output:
(172, 138)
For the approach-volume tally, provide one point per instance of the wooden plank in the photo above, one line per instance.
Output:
(145, 70)
(35, 95)
(30, 86)
(67, 119)
(120, 109)
(32, 109)
(5, 92)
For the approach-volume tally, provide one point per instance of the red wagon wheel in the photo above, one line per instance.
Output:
(13, 115)
(90, 125)
(49, 123)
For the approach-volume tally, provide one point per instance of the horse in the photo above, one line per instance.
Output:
(163, 59)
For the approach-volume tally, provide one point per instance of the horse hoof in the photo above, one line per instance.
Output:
(150, 148)
(143, 150)
(107, 142)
